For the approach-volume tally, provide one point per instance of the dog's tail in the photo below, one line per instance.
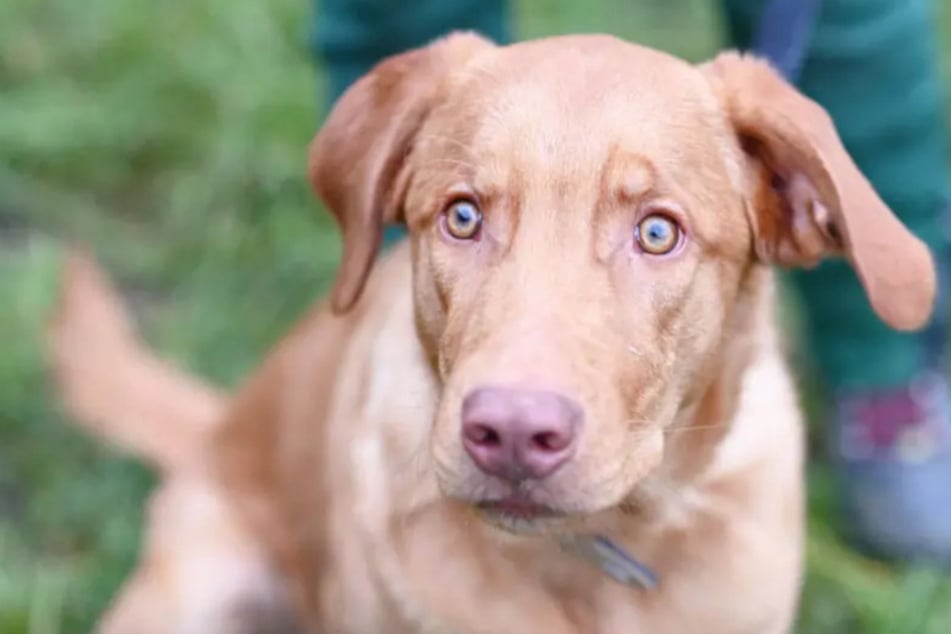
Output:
(113, 385)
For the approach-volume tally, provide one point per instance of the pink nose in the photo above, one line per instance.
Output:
(519, 434)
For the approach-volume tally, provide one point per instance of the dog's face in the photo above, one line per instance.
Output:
(577, 241)
(584, 215)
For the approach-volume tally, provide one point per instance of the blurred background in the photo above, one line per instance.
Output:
(170, 137)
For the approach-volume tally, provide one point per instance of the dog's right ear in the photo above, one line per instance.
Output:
(357, 159)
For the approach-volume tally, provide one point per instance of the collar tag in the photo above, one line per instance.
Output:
(613, 560)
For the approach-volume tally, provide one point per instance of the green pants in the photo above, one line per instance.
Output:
(871, 63)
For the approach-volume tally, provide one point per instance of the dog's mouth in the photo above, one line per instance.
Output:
(518, 507)
(518, 513)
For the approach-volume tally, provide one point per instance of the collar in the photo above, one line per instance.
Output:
(612, 559)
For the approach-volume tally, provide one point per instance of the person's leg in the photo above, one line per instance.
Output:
(350, 36)
(873, 65)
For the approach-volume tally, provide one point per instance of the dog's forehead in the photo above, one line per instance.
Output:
(578, 74)
(593, 57)
(583, 93)
(563, 107)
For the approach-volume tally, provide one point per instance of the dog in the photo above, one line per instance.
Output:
(560, 406)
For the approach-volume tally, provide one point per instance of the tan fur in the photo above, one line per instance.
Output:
(336, 479)
(114, 385)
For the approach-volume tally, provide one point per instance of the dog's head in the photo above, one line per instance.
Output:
(584, 214)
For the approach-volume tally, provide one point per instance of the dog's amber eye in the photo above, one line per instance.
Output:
(657, 234)
(463, 220)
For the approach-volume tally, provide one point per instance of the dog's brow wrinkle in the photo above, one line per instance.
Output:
(626, 176)
(441, 138)
(636, 179)
(448, 161)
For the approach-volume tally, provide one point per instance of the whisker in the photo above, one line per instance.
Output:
(686, 428)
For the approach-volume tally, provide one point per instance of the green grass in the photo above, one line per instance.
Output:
(171, 137)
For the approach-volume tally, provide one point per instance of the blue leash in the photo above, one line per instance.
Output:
(785, 30)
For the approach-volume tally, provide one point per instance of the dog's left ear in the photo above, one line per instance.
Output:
(357, 158)
(807, 199)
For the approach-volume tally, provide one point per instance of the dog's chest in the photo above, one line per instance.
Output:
(434, 578)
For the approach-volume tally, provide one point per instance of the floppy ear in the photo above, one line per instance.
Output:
(357, 158)
(807, 199)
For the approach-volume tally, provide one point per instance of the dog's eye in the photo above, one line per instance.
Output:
(657, 234)
(462, 220)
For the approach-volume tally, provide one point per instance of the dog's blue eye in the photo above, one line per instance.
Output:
(657, 234)
(463, 220)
